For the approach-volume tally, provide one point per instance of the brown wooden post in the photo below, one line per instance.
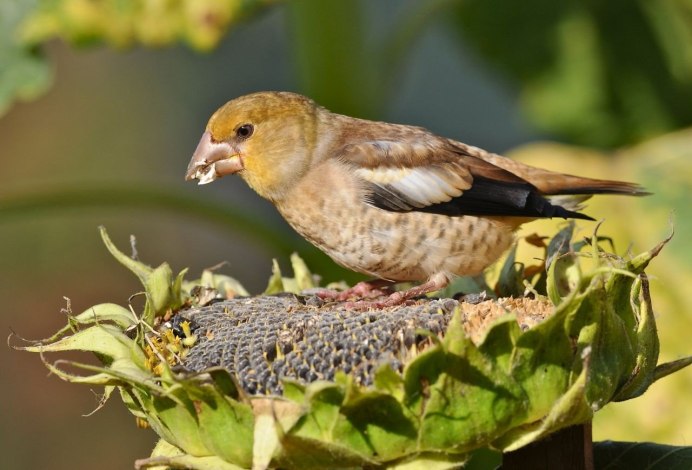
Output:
(568, 449)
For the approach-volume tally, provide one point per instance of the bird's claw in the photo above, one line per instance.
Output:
(362, 290)
(393, 300)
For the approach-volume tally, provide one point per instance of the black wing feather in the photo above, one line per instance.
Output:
(485, 197)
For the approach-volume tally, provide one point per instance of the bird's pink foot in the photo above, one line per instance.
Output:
(362, 290)
(390, 301)
(436, 282)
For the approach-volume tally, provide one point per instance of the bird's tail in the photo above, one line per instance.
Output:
(551, 183)
(570, 192)
(555, 184)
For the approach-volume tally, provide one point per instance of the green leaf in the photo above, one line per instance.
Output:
(432, 461)
(510, 282)
(273, 417)
(646, 340)
(449, 385)
(542, 361)
(141, 270)
(162, 289)
(102, 313)
(302, 278)
(568, 409)
(165, 456)
(105, 340)
(667, 368)
(220, 417)
(226, 286)
(275, 284)
(179, 419)
(303, 453)
(317, 439)
(563, 270)
(388, 428)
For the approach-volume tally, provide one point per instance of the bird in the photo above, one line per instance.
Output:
(395, 202)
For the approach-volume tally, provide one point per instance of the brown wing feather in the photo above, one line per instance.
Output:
(433, 175)
(554, 183)
(409, 168)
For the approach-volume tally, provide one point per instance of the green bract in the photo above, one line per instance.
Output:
(506, 388)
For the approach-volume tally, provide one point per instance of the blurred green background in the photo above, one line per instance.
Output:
(104, 102)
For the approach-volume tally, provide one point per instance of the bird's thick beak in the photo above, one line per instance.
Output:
(212, 160)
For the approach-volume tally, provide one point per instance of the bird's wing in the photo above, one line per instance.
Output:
(437, 176)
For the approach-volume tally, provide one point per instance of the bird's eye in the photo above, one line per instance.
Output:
(244, 131)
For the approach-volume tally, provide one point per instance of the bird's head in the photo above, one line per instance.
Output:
(267, 138)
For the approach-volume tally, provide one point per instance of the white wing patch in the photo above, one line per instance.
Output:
(421, 186)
